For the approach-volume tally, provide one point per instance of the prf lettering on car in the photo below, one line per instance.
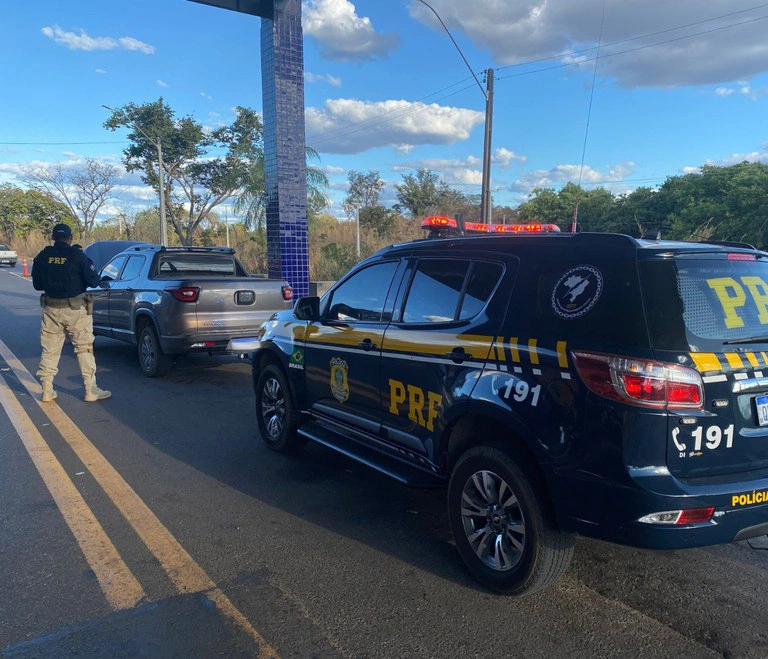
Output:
(732, 296)
(416, 403)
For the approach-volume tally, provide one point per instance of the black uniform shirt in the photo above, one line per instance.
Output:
(62, 270)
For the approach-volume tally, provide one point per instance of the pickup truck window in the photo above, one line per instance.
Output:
(173, 265)
(112, 269)
(132, 268)
(4, 248)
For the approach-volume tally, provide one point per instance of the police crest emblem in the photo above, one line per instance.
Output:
(339, 383)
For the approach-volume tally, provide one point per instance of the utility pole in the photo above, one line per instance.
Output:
(357, 221)
(485, 198)
(163, 226)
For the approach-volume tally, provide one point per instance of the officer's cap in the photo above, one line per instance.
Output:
(61, 231)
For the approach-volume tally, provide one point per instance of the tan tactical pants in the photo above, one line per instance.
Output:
(56, 324)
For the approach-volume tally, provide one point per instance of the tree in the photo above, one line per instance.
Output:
(251, 198)
(378, 219)
(364, 191)
(22, 211)
(83, 189)
(194, 178)
(419, 194)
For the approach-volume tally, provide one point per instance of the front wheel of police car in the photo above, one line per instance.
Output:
(276, 414)
(504, 533)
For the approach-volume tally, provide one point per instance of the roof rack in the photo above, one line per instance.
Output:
(183, 248)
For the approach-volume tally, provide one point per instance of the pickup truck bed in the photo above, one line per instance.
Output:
(175, 301)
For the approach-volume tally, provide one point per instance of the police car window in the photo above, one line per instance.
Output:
(132, 268)
(112, 269)
(482, 282)
(362, 296)
(435, 291)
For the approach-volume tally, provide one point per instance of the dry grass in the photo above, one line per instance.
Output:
(332, 246)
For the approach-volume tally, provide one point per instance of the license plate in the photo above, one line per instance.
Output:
(761, 404)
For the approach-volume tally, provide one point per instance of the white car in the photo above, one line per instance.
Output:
(8, 256)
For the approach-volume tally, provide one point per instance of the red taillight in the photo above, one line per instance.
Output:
(185, 293)
(695, 515)
(641, 382)
(287, 293)
(737, 256)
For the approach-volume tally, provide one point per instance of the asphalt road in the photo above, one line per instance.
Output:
(155, 524)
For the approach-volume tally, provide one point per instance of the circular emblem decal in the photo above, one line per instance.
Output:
(577, 291)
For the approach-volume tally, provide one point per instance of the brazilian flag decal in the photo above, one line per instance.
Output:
(297, 357)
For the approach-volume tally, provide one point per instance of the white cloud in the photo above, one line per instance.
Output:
(83, 41)
(561, 174)
(742, 89)
(352, 126)
(161, 83)
(342, 34)
(760, 155)
(333, 81)
(101, 71)
(505, 158)
(206, 96)
(641, 47)
(332, 170)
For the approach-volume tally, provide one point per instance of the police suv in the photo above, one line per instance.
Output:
(557, 383)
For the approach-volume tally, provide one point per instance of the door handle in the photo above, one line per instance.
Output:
(458, 355)
(367, 344)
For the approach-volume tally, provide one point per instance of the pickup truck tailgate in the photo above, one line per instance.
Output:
(229, 308)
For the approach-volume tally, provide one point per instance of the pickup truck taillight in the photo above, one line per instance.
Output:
(287, 293)
(640, 381)
(185, 293)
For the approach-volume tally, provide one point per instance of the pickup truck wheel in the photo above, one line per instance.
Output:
(504, 534)
(13, 265)
(276, 414)
(153, 361)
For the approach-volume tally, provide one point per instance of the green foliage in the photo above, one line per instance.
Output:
(24, 211)
(378, 219)
(195, 177)
(427, 194)
(251, 198)
(718, 203)
(364, 191)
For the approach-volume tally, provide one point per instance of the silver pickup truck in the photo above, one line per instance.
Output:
(171, 301)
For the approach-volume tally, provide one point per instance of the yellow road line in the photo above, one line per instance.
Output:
(118, 584)
(181, 568)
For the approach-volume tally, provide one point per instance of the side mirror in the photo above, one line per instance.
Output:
(307, 308)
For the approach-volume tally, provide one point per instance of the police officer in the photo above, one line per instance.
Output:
(63, 272)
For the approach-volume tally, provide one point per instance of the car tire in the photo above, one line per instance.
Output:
(276, 415)
(154, 363)
(502, 524)
(13, 265)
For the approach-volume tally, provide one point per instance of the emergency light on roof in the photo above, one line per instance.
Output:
(438, 224)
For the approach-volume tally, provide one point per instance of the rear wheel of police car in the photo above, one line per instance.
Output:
(502, 524)
(276, 415)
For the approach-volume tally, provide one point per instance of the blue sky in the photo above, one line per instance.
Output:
(678, 84)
